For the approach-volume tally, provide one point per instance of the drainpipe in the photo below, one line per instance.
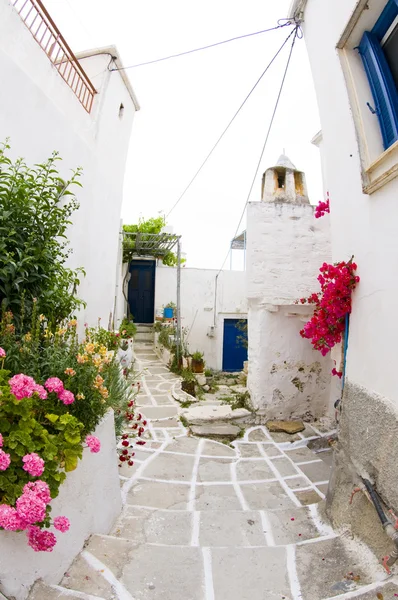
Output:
(388, 526)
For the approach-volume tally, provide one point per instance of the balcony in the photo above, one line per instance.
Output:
(48, 36)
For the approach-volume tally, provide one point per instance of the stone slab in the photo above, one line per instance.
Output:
(257, 435)
(318, 471)
(231, 528)
(218, 449)
(159, 495)
(216, 497)
(265, 496)
(222, 430)
(214, 469)
(250, 573)
(156, 527)
(170, 466)
(199, 415)
(285, 426)
(253, 469)
(160, 412)
(157, 573)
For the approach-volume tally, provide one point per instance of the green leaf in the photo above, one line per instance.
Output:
(71, 460)
(52, 418)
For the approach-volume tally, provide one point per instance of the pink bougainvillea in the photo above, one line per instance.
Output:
(326, 327)
(22, 386)
(322, 208)
(53, 384)
(33, 464)
(40, 540)
(61, 523)
(93, 443)
(66, 397)
(4, 460)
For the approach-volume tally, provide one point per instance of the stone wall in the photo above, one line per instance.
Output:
(90, 498)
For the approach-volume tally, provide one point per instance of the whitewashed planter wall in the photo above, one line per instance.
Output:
(90, 498)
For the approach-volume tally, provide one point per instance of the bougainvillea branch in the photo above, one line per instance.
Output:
(326, 327)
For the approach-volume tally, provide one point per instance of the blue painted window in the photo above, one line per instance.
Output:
(379, 52)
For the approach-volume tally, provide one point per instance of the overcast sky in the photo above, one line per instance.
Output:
(187, 102)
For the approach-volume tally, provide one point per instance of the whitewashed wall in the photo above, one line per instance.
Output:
(40, 114)
(286, 245)
(90, 498)
(363, 225)
(198, 309)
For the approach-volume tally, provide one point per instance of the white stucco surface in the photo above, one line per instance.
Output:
(363, 225)
(40, 114)
(202, 307)
(90, 498)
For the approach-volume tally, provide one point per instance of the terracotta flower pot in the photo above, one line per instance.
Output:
(197, 366)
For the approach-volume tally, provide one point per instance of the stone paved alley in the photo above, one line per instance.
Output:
(206, 521)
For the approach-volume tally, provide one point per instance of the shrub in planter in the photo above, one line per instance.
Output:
(188, 382)
(197, 363)
(127, 329)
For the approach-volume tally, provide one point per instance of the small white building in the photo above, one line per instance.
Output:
(353, 51)
(286, 246)
(52, 100)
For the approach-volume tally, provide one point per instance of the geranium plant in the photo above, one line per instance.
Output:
(326, 327)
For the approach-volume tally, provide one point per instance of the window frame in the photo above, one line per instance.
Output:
(383, 87)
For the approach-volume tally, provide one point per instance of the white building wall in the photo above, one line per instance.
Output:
(286, 246)
(199, 309)
(363, 225)
(40, 114)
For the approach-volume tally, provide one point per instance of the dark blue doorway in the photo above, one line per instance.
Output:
(141, 293)
(235, 344)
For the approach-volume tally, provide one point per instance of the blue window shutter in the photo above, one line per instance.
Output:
(386, 18)
(383, 87)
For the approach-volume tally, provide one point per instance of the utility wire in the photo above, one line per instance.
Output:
(297, 33)
(230, 123)
(239, 37)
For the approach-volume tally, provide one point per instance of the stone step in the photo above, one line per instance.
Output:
(42, 591)
(224, 431)
(205, 414)
(145, 336)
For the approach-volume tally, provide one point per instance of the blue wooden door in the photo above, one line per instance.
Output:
(141, 292)
(235, 344)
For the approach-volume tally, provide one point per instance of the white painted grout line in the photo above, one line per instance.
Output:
(129, 484)
(238, 491)
(322, 527)
(309, 462)
(295, 587)
(120, 590)
(71, 593)
(267, 528)
(302, 474)
(208, 572)
(363, 590)
(195, 528)
(284, 485)
(192, 491)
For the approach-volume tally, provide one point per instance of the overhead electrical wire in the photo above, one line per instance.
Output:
(281, 23)
(297, 33)
(230, 123)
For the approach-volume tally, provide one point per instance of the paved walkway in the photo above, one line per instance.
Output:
(204, 521)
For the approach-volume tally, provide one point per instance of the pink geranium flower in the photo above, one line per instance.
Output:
(66, 397)
(39, 389)
(2, 353)
(22, 386)
(61, 523)
(9, 518)
(31, 508)
(33, 464)
(41, 540)
(1, 440)
(93, 443)
(40, 488)
(4, 460)
(53, 384)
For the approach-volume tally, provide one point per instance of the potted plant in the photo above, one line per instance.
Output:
(197, 363)
(169, 310)
(188, 382)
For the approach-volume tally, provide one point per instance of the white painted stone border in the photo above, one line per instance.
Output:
(90, 498)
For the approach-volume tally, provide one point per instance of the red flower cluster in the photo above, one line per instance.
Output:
(322, 208)
(137, 424)
(332, 304)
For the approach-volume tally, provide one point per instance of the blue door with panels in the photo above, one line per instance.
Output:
(234, 344)
(141, 291)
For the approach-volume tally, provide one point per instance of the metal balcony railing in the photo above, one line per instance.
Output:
(48, 36)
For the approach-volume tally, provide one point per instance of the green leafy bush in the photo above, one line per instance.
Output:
(127, 329)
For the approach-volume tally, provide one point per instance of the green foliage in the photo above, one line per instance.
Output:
(198, 356)
(103, 337)
(187, 375)
(35, 211)
(164, 337)
(242, 339)
(150, 226)
(27, 427)
(158, 327)
(127, 329)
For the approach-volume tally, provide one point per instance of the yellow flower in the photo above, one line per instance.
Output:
(103, 350)
(90, 348)
(72, 323)
(42, 318)
(82, 358)
(28, 337)
(80, 396)
(48, 334)
(97, 361)
(70, 372)
(61, 331)
(104, 392)
(98, 381)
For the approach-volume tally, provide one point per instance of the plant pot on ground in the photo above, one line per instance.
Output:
(197, 363)
(188, 382)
